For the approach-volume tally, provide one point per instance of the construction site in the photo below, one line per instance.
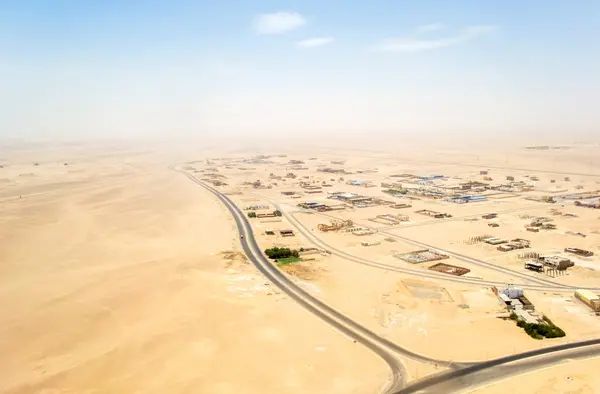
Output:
(421, 256)
(449, 269)
(357, 200)
(433, 214)
(390, 219)
(336, 225)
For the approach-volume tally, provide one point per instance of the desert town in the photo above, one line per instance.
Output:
(426, 260)
(462, 253)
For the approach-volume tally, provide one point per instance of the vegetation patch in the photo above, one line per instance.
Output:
(396, 191)
(539, 330)
(281, 253)
(288, 260)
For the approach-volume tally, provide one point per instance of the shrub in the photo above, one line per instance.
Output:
(251, 214)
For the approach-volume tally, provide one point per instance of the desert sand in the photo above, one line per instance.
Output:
(118, 275)
(568, 377)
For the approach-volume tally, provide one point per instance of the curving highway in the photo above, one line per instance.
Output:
(461, 376)
(471, 377)
(383, 347)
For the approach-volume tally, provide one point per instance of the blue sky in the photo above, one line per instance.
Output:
(79, 69)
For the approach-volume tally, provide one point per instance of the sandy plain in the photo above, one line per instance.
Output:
(119, 275)
(569, 377)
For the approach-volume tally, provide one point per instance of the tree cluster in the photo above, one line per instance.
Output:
(280, 253)
(539, 330)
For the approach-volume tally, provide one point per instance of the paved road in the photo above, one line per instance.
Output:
(386, 349)
(503, 368)
(537, 284)
(462, 257)
(543, 284)
(422, 273)
(460, 377)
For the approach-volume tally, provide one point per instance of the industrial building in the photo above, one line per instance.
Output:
(310, 187)
(360, 183)
(266, 215)
(464, 199)
(363, 231)
(390, 219)
(557, 262)
(433, 214)
(590, 299)
(357, 200)
(514, 299)
(370, 243)
(495, 241)
(400, 206)
(579, 252)
(517, 243)
(286, 233)
(320, 207)
(534, 266)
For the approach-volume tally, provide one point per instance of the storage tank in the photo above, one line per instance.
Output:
(513, 292)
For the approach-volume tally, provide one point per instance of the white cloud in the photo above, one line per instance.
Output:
(278, 22)
(315, 42)
(430, 28)
(411, 44)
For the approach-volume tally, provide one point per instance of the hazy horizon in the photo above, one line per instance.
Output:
(218, 70)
